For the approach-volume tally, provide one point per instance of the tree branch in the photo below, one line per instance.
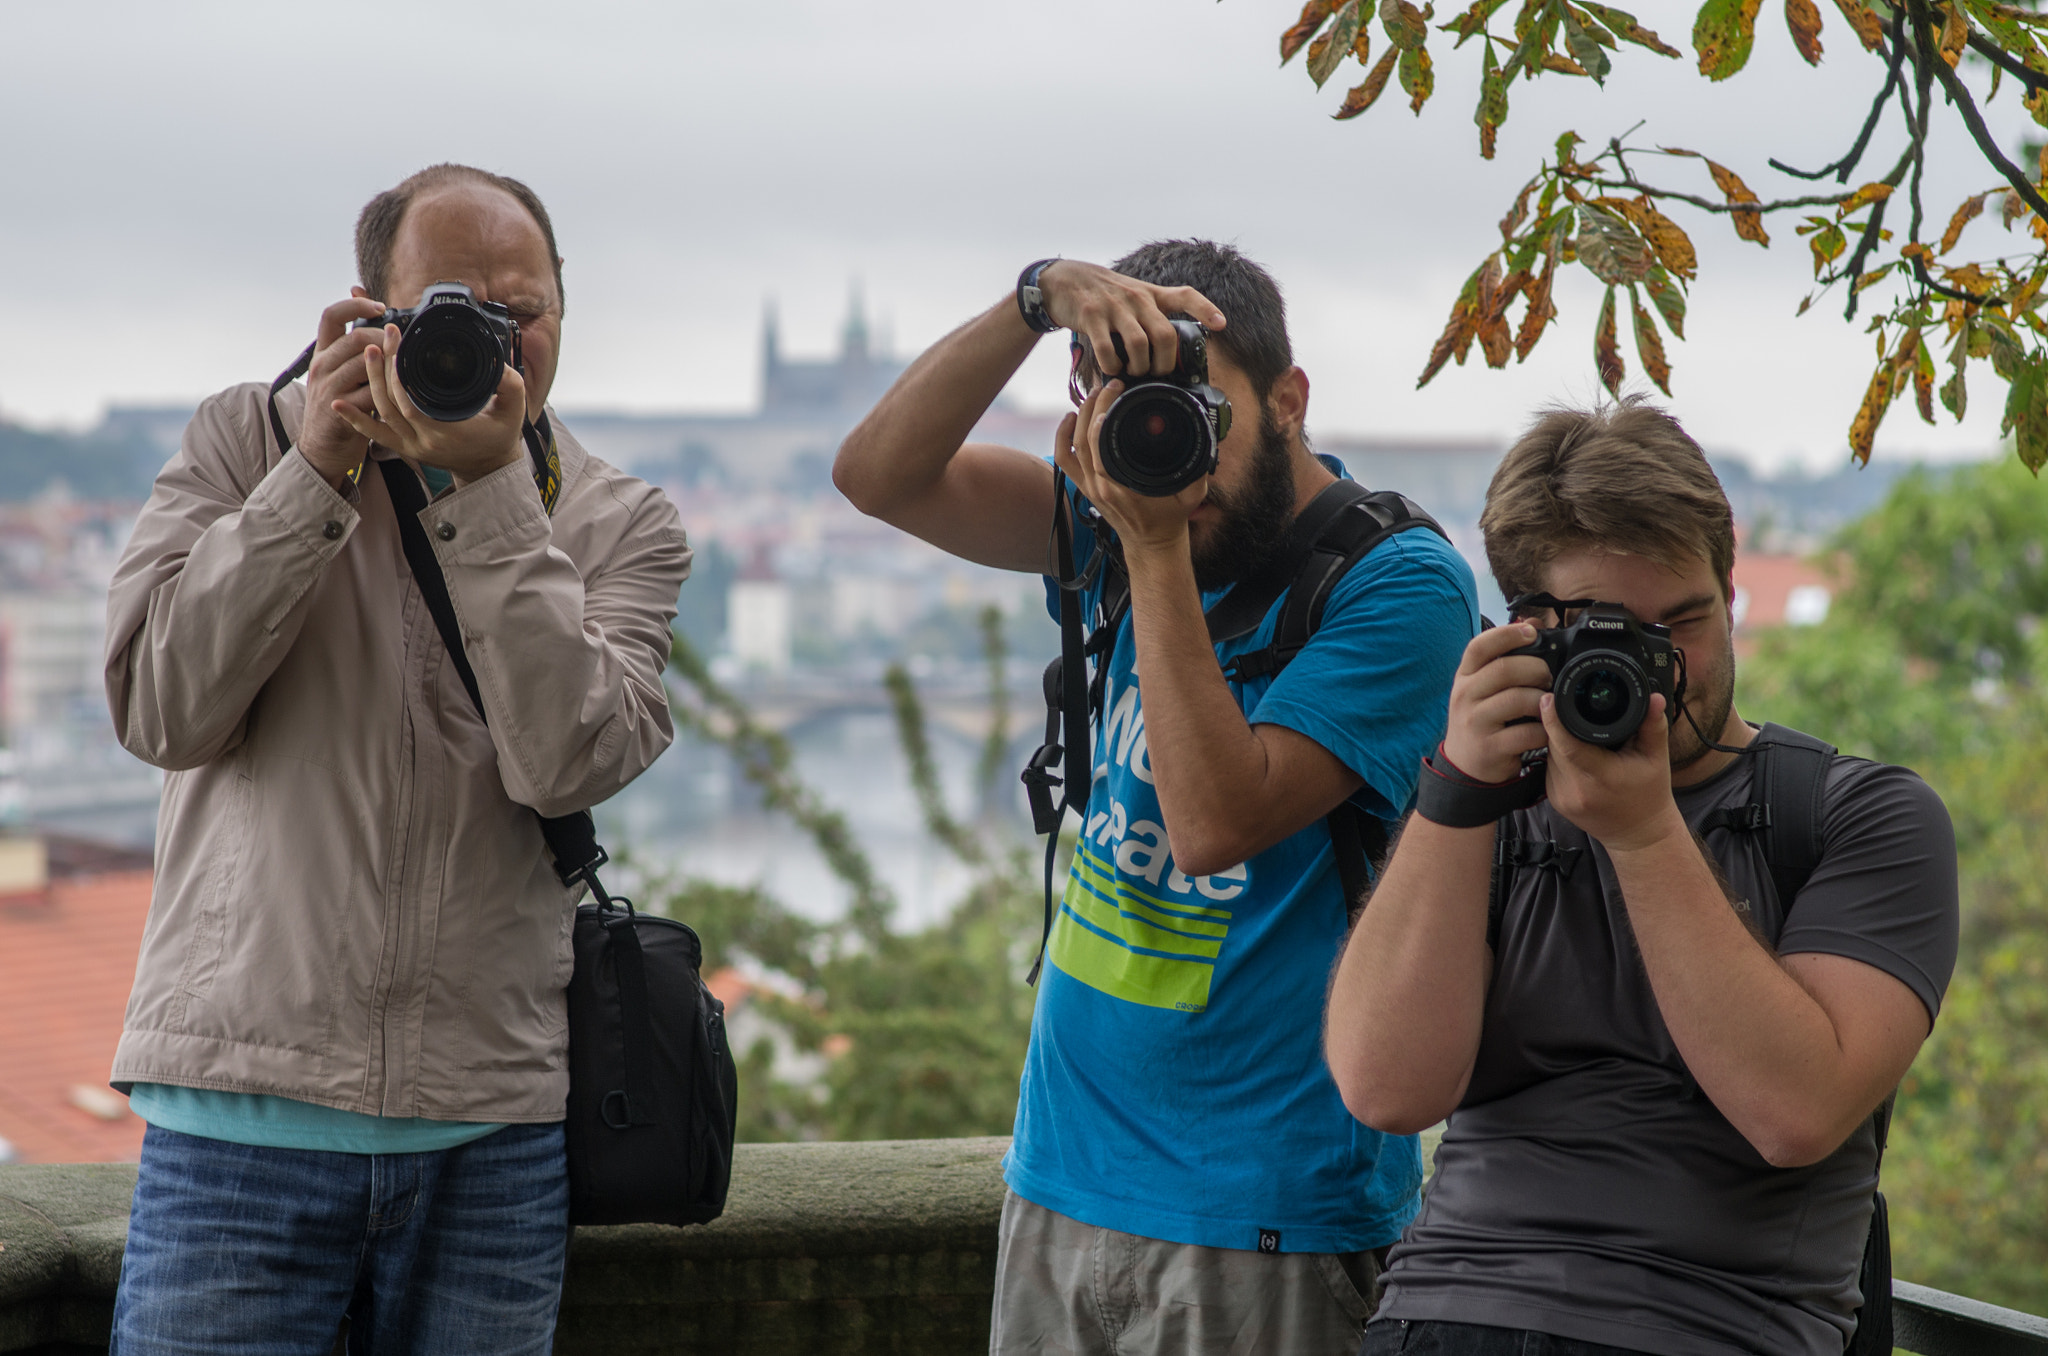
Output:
(1954, 293)
(1709, 205)
(1959, 95)
(1844, 167)
(2006, 61)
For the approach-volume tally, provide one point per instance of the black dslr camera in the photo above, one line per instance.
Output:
(1603, 667)
(1162, 433)
(453, 350)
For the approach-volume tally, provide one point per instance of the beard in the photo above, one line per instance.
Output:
(1710, 707)
(1253, 519)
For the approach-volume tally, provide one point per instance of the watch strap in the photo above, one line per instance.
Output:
(1444, 795)
(1030, 300)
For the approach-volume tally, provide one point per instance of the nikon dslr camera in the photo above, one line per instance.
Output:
(1161, 434)
(453, 350)
(1603, 668)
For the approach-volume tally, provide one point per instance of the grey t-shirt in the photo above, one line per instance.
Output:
(1586, 1187)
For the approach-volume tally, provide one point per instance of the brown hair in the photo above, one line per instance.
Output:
(1623, 478)
(377, 227)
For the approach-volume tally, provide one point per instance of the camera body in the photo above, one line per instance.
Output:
(452, 351)
(1163, 433)
(1603, 669)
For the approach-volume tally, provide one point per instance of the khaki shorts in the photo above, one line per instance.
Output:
(1064, 1288)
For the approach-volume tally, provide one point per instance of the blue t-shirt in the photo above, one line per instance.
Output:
(1175, 1086)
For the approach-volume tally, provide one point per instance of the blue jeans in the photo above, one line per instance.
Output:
(235, 1250)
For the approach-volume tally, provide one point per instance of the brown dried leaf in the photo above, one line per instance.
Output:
(1923, 378)
(1463, 327)
(1624, 26)
(1562, 64)
(1607, 349)
(1517, 214)
(1748, 225)
(1495, 294)
(1368, 90)
(1540, 312)
(2012, 209)
(1862, 198)
(1803, 18)
(1650, 345)
(1877, 398)
(1313, 14)
(1955, 33)
(1869, 28)
(1406, 25)
(1673, 246)
(1669, 300)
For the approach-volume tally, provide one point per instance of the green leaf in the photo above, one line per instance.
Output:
(1723, 35)
(1584, 49)
(1611, 249)
(1566, 144)
(1405, 25)
(1416, 76)
(1669, 300)
(1955, 394)
(1624, 26)
(1333, 46)
(1472, 21)
(1493, 101)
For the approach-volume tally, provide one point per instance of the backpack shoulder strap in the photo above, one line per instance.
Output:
(1364, 521)
(1791, 783)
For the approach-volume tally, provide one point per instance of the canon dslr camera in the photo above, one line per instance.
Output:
(1603, 668)
(453, 350)
(1161, 434)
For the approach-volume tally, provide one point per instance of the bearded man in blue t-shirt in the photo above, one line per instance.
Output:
(1184, 1176)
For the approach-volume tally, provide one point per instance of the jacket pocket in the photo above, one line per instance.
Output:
(227, 858)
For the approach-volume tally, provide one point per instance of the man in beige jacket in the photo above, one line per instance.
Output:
(347, 1031)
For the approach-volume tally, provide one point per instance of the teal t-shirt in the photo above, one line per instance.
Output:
(286, 1123)
(1175, 1086)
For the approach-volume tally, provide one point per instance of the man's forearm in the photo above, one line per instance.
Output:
(1409, 995)
(1761, 1047)
(1210, 768)
(901, 449)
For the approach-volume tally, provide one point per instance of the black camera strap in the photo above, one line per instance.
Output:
(539, 439)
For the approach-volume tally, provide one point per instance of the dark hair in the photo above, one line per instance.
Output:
(1254, 336)
(377, 227)
(1623, 478)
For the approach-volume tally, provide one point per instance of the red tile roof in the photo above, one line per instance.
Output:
(65, 968)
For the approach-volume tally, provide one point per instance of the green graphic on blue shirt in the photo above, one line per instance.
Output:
(1175, 1086)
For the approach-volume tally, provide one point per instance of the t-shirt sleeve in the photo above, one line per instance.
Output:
(1373, 685)
(1885, 890)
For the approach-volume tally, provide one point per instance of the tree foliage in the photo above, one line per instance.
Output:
(1602, 207)
(1933, 656)
(913, 1034)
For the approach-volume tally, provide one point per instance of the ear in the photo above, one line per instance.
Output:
(1289, 401)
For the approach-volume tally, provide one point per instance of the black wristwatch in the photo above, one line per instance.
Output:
(1031, 301)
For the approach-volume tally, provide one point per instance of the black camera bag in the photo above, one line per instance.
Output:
(653, 1090)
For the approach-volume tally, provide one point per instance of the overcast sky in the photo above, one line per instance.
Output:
(178, 183)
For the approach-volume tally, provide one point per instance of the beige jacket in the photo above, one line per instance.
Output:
(353, 903)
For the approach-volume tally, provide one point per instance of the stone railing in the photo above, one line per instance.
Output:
(885, 1246)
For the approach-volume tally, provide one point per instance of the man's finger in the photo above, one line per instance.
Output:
(1190, 302)
(336, 319)
(1488, 646)
(1653, 740)
(1165, 344)
(1130, 327)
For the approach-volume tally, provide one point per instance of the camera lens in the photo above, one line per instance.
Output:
(1157, 439)
(450, 363)
(1602, 697)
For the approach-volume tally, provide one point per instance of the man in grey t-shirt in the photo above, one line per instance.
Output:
(1659, 1076)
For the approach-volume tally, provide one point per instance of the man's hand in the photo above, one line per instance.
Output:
(1492, 688)
(1144, 522)
(1619, 796)
(338, 380)
(1103, 306)
(468, 450)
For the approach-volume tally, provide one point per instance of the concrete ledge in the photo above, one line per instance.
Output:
(880, 1246)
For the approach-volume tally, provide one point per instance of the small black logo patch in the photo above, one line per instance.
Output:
(1269, 1240)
